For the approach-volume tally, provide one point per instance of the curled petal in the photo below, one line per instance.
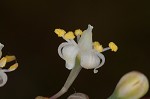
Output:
(61, 46)
(69, 53)
(101, 57)
(3, 78)
(89, 60)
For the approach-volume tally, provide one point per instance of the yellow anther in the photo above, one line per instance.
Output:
(78, 32)
(97, 46)
(3, 62)
(10, 58)
(60, 32)
(69, 35)
(13, 67)
(113, 46)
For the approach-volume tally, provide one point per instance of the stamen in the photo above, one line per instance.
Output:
(97, 46)
(78, 32)
(113, 46)
(60, 32)
(10, 58)
(3, 62)
(13, 67)
(69, 35)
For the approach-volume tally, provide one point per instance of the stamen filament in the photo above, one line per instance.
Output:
(78, 37)
(105, 49)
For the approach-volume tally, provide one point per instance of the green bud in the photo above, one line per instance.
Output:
(132, 85)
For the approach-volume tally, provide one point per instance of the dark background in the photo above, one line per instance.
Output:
(26, 30)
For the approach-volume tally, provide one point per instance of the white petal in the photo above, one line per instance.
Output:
(101, 57)
(3, 78)
(1, 46)
(69, 53)
(85, 42)
(89, 60)
(61, 46)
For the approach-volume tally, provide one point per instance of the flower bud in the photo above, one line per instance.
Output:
(78, 96)
(132, 85)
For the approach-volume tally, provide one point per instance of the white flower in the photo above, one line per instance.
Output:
(89, 52)
(3, 61)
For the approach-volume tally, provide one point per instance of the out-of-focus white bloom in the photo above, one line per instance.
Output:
(3, 61)
(78, 96)
(132, 85)
(89, 52)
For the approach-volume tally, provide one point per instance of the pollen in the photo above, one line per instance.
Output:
(113, 46)
(3, 62)
(97, 46)
(78, 32)
(13, 67)
(10, 58)
(69, 35)
(60, 32)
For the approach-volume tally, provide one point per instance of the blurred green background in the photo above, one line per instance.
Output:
(26, 30)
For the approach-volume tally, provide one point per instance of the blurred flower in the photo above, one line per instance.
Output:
(132, 85)
(78, 96)
(89, 53)
(3, 61)
(41, 97)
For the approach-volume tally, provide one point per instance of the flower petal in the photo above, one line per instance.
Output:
(101, 57)
(3, 78)
(1, 46)
(85, 42)
(69, 53)
(61, 46)
(89, 60)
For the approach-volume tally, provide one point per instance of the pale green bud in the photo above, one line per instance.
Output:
(132, 85)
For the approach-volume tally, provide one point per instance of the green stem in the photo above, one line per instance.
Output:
(72, 76)
(113, 96)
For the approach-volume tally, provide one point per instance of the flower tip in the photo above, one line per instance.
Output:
(1, 46)
(90, 27)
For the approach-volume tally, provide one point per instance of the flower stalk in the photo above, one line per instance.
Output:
(72, 76)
